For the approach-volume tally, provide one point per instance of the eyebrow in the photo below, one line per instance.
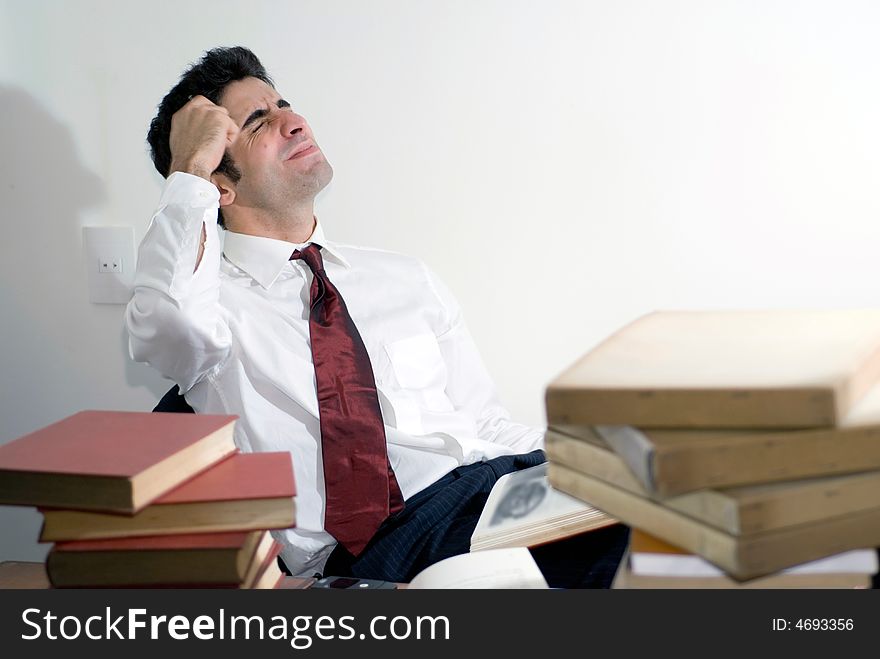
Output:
(259, 113)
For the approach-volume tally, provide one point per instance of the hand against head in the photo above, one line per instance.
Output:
(201, 131)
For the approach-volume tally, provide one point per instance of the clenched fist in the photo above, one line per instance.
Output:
(200, 133)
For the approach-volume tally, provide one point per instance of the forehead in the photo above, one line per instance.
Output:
(244, 96)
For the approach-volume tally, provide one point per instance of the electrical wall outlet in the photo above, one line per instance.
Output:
(109, 251)
(112, 264)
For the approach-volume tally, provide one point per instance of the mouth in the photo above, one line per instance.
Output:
(303, 149)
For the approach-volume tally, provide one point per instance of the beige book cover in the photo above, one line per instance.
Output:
(741, 557)
(671, 462)
(735, 510)
(723, 369)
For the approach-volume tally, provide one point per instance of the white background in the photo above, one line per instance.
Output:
(565, 165)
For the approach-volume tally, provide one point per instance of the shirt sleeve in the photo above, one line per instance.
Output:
(174, 320)
(469, 385)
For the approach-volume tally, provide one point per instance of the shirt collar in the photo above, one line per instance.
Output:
(264, 258)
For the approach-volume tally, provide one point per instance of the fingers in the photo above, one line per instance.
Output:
(219, 116)
(199, 100)
(200, 133)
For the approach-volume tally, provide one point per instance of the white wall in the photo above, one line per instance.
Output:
(565, 165)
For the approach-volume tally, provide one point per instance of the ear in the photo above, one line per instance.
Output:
(225, 187)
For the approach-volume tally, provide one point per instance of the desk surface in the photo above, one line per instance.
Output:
(20, 574)
(29, 575)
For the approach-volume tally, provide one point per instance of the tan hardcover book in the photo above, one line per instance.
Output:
(723, 369)
(263, 572)
(269, 575)
(742, 557)
(265, 548)
(113, 461)
(674, 461)
(246, 491)
(735, 510)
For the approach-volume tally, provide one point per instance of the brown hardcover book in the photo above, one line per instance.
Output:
(263, 559)
(203, 560)
(246, 491)
(742, 557)
(265, 554)
(723, 369)
(114, 461)
(735, 510)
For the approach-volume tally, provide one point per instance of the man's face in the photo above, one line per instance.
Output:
(280, 162)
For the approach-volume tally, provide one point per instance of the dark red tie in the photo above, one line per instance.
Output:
(359, 484)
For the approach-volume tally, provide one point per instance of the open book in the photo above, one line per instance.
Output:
(494, 568)
(523, 510)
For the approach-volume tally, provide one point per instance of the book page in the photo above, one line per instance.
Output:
(523, 499)
(856, 561)
(492, 568)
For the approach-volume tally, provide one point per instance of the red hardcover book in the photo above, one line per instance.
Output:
(114, 461)
(205, 559)
(243, 492)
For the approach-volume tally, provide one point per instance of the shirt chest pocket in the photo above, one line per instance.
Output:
(417, 363)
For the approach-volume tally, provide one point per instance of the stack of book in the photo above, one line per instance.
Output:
(651, 563)
(133, 499)
(748, 438)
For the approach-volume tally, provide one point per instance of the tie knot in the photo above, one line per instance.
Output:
(311, 255)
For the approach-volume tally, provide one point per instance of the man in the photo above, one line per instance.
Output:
(355, 360)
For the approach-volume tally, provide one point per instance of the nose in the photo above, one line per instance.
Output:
(291, 124)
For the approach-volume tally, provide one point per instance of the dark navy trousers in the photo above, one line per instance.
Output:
(438, 522)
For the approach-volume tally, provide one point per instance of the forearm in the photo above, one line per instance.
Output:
(173, 319)
(496, 426)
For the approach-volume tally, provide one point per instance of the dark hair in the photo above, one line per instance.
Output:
(208, 77)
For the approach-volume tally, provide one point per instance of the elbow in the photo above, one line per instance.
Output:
(182, 346)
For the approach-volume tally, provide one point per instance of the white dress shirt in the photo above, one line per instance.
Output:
(234, 334)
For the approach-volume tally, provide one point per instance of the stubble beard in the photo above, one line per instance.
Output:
(278, 197)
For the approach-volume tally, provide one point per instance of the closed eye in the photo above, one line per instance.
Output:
(260, 113)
